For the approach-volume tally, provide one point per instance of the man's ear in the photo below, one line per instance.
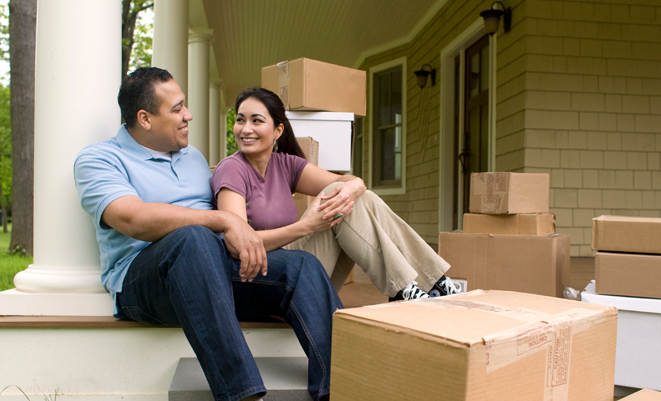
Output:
(144, 119)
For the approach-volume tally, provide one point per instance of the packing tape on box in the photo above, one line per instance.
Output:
(283, 82)
(543, 332)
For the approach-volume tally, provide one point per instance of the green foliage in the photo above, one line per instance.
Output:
(5, 147)
(231, 141)
(4, 38)
(4, 32)
(142, 41)
(10, 264)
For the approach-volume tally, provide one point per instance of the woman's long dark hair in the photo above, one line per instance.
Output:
(287, 142)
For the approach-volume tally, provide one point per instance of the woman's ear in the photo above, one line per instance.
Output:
(144, 120)
(279, 131)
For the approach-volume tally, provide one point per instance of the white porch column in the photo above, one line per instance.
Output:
(75, 105)
(223, 125)
(198, 89)
(170, 43)
(214, 123)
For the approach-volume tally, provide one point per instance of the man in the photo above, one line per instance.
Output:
(168, 259)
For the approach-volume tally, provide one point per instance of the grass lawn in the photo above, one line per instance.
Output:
(10, 264)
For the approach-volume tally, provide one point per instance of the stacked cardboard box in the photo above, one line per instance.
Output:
(482, 345)
(628, 261)
(322, 100)
(509, 240)
(627, 276)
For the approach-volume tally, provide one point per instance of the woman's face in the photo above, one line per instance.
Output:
(253, 129)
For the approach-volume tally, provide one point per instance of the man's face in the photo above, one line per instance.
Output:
(169, 128)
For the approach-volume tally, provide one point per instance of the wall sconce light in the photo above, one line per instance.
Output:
(492, 18)
(422, 74)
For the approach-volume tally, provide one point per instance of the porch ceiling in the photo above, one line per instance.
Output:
(250, 34)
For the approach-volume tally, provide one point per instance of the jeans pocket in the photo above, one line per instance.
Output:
(136, 313)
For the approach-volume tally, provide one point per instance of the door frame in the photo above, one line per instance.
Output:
(448, 146)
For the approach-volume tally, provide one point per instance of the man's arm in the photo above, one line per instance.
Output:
(151, 221)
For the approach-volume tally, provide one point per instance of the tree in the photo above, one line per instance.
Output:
(5, 156)
(130, 35)
(22, 30)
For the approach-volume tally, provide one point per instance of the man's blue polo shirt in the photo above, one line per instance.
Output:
(105, 171)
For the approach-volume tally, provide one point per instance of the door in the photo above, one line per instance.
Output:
(473, 140)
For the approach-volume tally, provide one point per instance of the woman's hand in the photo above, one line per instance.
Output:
(341, 200)
(313, 219)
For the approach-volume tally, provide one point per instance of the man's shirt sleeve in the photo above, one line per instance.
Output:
(100, 179)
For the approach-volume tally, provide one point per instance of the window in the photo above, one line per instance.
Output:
(388, 124)
(357, 157)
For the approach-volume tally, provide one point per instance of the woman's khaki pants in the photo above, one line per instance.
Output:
(380, 242)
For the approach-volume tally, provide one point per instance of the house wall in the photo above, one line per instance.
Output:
(593, 109)
(578, 97)
(419, 206)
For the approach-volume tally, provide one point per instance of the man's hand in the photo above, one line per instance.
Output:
(244, 244)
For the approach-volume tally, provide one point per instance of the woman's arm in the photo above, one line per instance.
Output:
(233, 202)
(341, 200)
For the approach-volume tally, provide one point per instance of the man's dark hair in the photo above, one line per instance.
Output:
(137, 93)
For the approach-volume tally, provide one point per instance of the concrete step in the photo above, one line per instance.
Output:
(286, 379)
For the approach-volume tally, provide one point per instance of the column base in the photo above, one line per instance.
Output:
(17, 303)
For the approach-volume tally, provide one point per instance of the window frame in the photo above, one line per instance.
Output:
(401, 189)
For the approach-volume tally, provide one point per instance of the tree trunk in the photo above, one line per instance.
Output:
(22, 30)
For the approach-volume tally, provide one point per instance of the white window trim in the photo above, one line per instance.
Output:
(370, 126)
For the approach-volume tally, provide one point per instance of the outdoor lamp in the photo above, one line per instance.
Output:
(492, 18)
(422, 74)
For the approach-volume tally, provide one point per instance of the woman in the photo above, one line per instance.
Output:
(345, 223)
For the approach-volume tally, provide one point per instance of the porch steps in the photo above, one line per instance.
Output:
(285, 379)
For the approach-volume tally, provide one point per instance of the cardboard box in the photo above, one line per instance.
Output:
(332, 131)
(509, 193)
(310, 149)
(476, 346)
(524, 263)
(626, 234)
(628, 274)
(643, 395)
(638, 356)
(513, 224)
(305, 84)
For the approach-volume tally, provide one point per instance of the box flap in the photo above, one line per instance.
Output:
(643, 395)
(478, 315)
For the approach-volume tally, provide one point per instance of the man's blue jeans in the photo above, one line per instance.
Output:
(189, 279)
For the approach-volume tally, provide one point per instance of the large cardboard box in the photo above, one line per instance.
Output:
(305, 84)
(628, 274)
(643, 395)
(638, 356)
(513, 224)
(476, 346)
(524, 263)
(332, 131)
(509, 193)
(626, 234)
(310, 149)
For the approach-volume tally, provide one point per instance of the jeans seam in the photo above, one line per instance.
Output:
(314, 346)
(251, 390)
(129, 311)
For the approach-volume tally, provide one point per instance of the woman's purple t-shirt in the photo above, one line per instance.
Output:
(269, 202)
